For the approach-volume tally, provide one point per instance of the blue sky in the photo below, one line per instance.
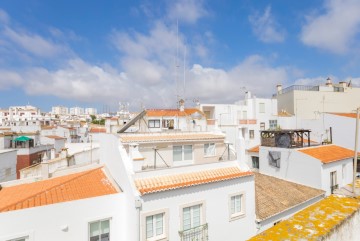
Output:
(96, 53)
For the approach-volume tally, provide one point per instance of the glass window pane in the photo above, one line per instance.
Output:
(149, 227)
(238, 203)
(177, 153)
(196, 216)
(232, 205)
(188, 152)
(105, 227)
(186, 219)
(95, 229)
(159, 224)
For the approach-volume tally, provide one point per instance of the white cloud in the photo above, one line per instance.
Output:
(9, 79)
(33, 43)
(335, 30)
(4, 17)
(186, 11)
(266, 28)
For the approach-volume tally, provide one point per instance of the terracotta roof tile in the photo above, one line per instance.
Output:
(328, 153)
(172, 112)
(254, 149)
(169, 137)
(71, 187)
(97, 130)
(55, 137)
(168, 182)
(350, 115)
(316, 222)
(274, 195)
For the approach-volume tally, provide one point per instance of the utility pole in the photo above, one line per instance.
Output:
(356, 148)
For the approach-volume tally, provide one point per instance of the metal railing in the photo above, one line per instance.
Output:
(300, 87)
(199, 233)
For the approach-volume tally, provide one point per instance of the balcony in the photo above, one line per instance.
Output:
(247, 122)
(199, 233)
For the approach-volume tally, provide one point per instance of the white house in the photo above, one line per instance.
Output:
(326, 167)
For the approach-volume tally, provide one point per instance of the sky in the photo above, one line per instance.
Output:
(151, 53)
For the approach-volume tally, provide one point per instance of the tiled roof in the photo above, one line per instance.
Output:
(168, 182)
(47, 127)
(350, 115)
(71, 187)
(274, 195)
(316, 222)
(97, 130)
(328, 153)
(55, 137)
(169, 137)
(254, 149)
(172, 112)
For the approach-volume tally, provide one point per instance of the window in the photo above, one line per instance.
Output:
(209, 149)
(251, 134)
(261, 107)
(255, 162)
(155, 226)
(333, 181)
(272, 124)
(236, 206)
(274, 158)
(154, 123)
(182, 153)
(191, 217)
(99, 230)
(262, 126)
(168, 124)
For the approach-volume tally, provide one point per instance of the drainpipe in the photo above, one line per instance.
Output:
(138, 206)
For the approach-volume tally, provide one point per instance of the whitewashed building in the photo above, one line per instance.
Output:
(7, 165)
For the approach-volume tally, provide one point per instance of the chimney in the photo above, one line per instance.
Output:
(45, 167)
(52, 154)
(182, 105)
(64, 153)
(328, 82)
(247, 95)
(134, 153)
(279, 89)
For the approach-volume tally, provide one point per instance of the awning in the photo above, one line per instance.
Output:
(22, 139)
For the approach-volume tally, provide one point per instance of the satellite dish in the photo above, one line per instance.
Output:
(283, 140)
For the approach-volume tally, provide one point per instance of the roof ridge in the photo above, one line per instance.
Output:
(33, 195)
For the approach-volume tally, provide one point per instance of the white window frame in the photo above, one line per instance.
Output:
(165, 234)
(183, 154)
(28, 236)
(251, 136)
(189, 205)
(99, 220)
(213, 153)
(240, 213)
(273, 124)
(155, 123)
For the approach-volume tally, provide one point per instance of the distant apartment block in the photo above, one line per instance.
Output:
(90, 111)
(77, 111)
(59, 110)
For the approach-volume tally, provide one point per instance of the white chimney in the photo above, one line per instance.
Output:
(247, 95)
(328, 82)
(134, 153)
(279, 89)
(52, 154)
(45, 167)
(182, 105)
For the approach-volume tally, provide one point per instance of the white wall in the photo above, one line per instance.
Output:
(45, 223)
(344, 171)
(294, 166)
(349, 230)
(7, 160)
(216, 200)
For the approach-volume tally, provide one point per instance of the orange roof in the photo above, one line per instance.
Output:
(328, 153)
(168, 182)
(47, 127)
(169, 137)
(97, 130)
(350, 115)
(71, 187)
(172, 112)
(254, 149)
(55, 137)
